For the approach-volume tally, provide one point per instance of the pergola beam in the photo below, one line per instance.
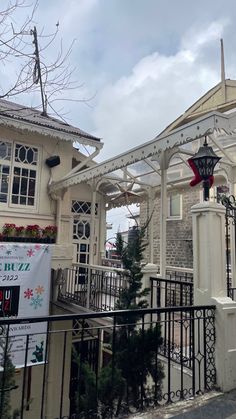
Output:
(182, 135)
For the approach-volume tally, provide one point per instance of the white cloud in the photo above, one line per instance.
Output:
(195, 40)
(160, 87)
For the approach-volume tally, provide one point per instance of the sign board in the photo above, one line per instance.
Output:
(24, 292)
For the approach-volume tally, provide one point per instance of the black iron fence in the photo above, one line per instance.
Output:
(179, 274)
(230, 218)
(171, 293)
(232, 293)
(102, 365)
(97, 288)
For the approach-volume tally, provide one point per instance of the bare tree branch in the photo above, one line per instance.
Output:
(27, 51)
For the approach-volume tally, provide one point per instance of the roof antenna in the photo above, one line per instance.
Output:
(37, 71)
(222, 63)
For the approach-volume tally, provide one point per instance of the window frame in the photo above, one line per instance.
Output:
(14, 164)
(174, 217)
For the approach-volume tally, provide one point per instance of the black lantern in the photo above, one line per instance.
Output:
(205, 161)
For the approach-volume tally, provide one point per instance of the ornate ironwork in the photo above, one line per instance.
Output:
(189, 340)
(105, 287)
(176, 292)
(229, 203)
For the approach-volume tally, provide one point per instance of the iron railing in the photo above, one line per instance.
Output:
(232, 293)
(121, 361)
(171, 293)
(179, 274)
(230, 218)
(94, 287)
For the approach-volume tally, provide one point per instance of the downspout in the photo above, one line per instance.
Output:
(58, 200)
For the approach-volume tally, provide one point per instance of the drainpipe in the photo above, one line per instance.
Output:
(58, 200)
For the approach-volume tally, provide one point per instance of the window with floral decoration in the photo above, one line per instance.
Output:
(18, 174)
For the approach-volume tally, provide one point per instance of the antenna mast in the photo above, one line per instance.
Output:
(37, 70)
(222, 63)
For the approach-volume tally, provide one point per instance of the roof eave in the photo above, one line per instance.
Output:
(51, 132)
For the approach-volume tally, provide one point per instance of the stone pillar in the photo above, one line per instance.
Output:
(209, 251)
(209, 264)
(148, 271)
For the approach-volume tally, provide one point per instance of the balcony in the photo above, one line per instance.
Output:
(93, 287)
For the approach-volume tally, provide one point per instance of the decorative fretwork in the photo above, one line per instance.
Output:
(229, 203)
(83, 207)
(101, 340)
(210, 337)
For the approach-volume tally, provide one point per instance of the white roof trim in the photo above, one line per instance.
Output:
(47, 131)
(189, 132)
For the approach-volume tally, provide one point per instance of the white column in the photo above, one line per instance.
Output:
(150, 224)
(148, 271)
(232, 242)
(102, 233)
(209, 252)
(91, 243)
(163, 217)
(58, 219)
(92, 227)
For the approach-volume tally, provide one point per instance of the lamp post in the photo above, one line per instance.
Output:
(205, 161)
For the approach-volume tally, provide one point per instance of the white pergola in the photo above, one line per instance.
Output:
(157, 165)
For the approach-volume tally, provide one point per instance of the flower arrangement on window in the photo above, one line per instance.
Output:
(20, 231)
(33, 231)
(49, 232)
(30, 233)
(8, 230)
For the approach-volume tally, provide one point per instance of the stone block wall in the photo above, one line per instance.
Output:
(179, 232)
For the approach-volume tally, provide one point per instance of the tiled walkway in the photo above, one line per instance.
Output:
(221, 407)
(215, 405)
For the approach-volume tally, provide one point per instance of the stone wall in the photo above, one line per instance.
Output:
(179, 232)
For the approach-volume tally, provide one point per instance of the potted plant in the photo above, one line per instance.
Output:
(49, 232)
(19, 233)
(8, 231)
(33, 232)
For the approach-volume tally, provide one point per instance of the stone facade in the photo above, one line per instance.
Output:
(179, 231)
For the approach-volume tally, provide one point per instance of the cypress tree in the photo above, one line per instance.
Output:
(136, 346)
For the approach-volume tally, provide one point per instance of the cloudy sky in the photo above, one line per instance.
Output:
(142, 62)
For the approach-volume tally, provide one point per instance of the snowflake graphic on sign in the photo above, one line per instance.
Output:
(28, 293)
(36, 302)
(39, 290)
(30, 253)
